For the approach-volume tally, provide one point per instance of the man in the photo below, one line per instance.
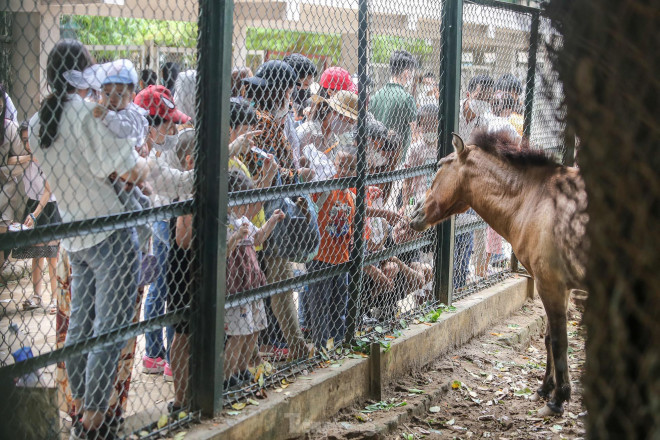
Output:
(475, 109)
(306, 71)
(508, 89)
(393, 105)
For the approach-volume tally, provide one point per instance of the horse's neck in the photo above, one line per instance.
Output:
(497, 192)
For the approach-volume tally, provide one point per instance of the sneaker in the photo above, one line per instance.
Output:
(153, 365)
(167, 372)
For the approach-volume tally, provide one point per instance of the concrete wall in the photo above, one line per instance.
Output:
(314, 398)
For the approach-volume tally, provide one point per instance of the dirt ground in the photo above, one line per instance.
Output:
(481, 390)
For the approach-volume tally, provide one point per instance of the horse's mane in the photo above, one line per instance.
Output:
(503, 145)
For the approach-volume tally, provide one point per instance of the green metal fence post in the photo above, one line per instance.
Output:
(529, 95)
(213, 93)
(450, 84)
(531, 74)
(357, 253)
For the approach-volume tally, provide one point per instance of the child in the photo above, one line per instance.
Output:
(117, 81)
(244, 322)
(327, 299)
(421, 152)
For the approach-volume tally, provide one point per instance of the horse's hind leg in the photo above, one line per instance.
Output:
(549, 379)
(555, 302)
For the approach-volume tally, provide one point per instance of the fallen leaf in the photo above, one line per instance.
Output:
(253, 402)
(434, 409)
(180, 435)
(285, 385)
(390, 337)
(496, 334)
(279, 390)
(144, 433)
(360, 417)
(183, 415)
(162, 421)
(378, 329)
(415, 391)
(423, 431)
(450, 422)
(233, 413)
(239, 405)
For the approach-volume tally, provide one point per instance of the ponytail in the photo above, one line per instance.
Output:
(49, 118)
(66, 55)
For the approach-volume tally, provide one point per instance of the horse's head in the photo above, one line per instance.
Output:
(444, 198)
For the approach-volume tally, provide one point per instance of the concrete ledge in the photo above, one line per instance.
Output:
(315, 398)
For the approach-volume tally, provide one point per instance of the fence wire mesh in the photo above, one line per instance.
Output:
(334, 135)
(92, 130)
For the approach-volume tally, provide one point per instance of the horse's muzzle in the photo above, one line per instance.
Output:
(418, 219)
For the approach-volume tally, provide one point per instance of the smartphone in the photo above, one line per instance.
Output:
(259, 152)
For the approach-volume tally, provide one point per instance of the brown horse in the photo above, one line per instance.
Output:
(539, 207)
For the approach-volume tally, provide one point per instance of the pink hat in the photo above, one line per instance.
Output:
(336, 78)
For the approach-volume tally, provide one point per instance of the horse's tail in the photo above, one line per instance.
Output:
(571, 222)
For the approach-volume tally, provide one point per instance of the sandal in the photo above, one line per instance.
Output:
(52, 307)
(33, 302)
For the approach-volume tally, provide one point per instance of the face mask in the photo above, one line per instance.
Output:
(479, 107)
(376, 159)
(170, 143)
(431, 137)
(338, 127)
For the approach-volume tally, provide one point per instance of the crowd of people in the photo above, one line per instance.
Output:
(108, 139)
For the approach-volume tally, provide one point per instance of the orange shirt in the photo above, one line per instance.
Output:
(336, 227)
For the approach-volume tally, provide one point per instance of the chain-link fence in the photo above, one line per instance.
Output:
(168, 271)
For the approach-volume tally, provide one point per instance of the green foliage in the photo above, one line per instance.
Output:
(307, 43)
(382, 47)
(134, 31)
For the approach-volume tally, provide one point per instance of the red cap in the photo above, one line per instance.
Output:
(336, 78)
(157, 101)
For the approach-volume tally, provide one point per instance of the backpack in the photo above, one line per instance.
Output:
(296, 238)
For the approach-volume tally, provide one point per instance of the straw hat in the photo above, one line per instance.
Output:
(345, 103)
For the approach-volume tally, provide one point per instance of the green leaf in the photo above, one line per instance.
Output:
(379, 329)
(523, 392)
(416, 391)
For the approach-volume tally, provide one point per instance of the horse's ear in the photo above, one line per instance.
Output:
(457, 142)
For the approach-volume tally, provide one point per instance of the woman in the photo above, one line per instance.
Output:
(270, 91)
(14, 158)
(78, 153)
(41, 210)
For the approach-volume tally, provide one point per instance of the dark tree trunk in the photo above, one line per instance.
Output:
(609, 67)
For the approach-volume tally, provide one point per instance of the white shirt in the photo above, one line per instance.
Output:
(167, 180)
(128, 123)
(77, 166)
(292, 137)
(502, 124)
(484, 115)
(35, 183)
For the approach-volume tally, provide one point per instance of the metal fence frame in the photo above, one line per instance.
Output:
(212, 200)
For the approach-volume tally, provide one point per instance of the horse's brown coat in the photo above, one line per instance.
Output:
(536, 205)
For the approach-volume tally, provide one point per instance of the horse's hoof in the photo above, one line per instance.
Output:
(550, 411)
(535, 397)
